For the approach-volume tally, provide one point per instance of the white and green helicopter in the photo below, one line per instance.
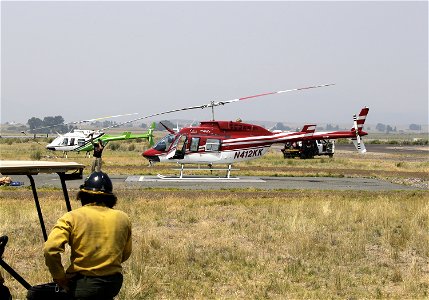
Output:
(82, 140)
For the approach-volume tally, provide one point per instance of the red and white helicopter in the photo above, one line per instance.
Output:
(228, 142)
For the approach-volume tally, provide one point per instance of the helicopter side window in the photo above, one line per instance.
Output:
(71, 142)
(180, 146)
(182, 141)
(195, 141)
(164, 143)
(65, 142)
(212, 145)
(81, 142)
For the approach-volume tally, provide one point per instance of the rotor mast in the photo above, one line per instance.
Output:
(212, 105)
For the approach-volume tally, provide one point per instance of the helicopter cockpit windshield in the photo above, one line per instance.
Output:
(164, 143)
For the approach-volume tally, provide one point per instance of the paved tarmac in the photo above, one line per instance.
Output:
(198, 183)
(383, 148)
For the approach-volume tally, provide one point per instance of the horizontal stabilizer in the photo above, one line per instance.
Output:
(309, 129)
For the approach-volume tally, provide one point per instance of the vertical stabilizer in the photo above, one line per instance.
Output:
(308, 130)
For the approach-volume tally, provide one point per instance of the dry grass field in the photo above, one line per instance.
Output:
(249, 244)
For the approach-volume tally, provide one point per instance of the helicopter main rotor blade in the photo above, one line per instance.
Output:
(102, 118)
(217, 103)
(157, 114)
(269, 93)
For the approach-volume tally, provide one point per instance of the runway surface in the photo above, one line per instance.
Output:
(383, 148)
(245, 182)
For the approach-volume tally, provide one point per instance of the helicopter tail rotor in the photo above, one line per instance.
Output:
(358, 123)
(358, 142)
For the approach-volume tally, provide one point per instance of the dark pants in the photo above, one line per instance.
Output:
(96, 288)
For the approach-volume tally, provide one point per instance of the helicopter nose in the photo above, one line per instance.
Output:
(152, 155)
(50, 147)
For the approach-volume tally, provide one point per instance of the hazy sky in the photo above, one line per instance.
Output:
(89, 59)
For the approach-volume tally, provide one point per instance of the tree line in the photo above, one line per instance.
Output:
(49, 125)
(54, 124)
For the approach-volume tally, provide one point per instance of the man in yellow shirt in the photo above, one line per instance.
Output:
(100, 240)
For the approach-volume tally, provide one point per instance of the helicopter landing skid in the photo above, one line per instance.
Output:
(195, 177)
(182, 169)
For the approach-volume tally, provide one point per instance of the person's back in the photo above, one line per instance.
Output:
(100, 240)
(97, 247)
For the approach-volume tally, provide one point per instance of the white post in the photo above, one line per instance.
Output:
(229, 171)
(181, 170)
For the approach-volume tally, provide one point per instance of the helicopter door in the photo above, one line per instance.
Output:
(178, 148)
